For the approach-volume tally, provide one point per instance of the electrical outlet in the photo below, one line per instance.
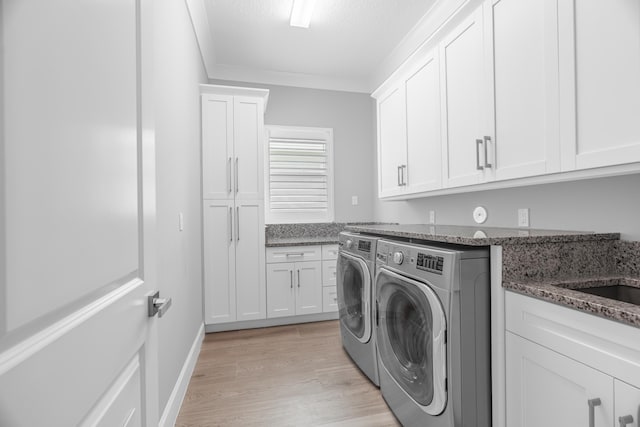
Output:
(432, 217)
(523, 217)
(354, 200)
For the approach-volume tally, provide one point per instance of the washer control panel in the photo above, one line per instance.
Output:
(430, 263)
(398, 257)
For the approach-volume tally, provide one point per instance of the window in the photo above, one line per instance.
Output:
(299, 174)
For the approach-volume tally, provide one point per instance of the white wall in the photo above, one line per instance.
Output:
(603, 204)
(350, 116)
(178, 72)
(3, 239)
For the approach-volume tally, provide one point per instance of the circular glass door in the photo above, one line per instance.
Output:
(411, 338)
(354, 294)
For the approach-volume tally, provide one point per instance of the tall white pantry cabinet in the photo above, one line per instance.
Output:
(233, 203)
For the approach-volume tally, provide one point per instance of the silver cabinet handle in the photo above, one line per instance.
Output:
(297, 254)
(230, 224)
(238, 223)
(625, 420)
(157, 305)
(592, 404)
(291, 277)
(229, 175)
(298, 278)
(399, 179)
(487, 140)
(237, 183)
(404, 168)
(478, 165)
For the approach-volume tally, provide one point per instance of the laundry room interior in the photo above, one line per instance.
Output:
(320, 213)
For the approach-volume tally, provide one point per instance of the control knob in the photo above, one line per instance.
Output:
(349, 243)
(398, 257)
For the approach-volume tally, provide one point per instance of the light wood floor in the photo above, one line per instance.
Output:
(296, 375)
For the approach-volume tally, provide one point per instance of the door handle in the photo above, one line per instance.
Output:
(478, 165)
(298, 278)
(291, 277)
(229, 175)
(592, 404)
(237, 183)
(404, 181)
(487, 140)
(399, 178)
(157, 305)
(625, 420)
(238, 223)
(230, 224)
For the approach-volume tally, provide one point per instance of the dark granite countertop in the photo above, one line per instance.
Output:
(479, 236)
(565, 293)
(301, 241)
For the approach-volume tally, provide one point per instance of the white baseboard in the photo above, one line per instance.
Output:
(172, 409)
(266, 323)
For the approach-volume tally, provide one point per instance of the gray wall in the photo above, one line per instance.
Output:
(603, 204)
(349, 114)
(179, 71)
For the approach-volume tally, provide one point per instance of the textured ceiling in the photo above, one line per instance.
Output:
(346, 38)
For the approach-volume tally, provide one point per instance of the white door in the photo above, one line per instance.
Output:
(77, 214)
(218, 177)
(392, 142)
(522, 56)
(250, 281)
(280, 293)
(599, 69)
(545, 388)
(248, 131)
(627, 405)
(424, 144)
(463, 104)
(219, 242)
(308, 278)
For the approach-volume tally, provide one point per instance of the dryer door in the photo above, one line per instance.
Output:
(411, 338)
(354, 296)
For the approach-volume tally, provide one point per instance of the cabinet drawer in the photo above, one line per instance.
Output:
(329, 273)
(329, 252)
(294, 254)
(329, 299)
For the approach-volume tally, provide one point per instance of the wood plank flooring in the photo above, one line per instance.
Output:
(295, 375)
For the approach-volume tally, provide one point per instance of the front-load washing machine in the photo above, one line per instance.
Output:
(355, 268)
(433, 334)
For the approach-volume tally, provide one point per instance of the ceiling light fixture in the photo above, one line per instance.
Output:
(301, 12)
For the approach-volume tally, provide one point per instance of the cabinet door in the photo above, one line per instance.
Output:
(463, 103)
(546, 389)
(600, 88)
(250, 264)
(329, 273)
(522, 54)
(248, 126)
(308, 278)
(424, 144)
(217, 147)
(280, 290)
(219, 261)
(329, 299)
(627, 404)
(392, 142)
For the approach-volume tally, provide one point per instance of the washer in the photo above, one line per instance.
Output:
(433, 334)
(356, 269)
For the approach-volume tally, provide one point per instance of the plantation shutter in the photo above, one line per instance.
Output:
(299, 181)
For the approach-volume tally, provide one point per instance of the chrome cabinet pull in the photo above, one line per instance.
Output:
(404, 181)
(592, 404)
(478, 165)
(487, 140)
(230, 224)
(297, 254)
(399, 178)
(291, 277)
(237, 183)
(229, 175)
(238, 223)
(298, 278)
(625, 420)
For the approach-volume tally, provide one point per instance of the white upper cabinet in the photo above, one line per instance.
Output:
(217, 153)
(522, 60)
(466, 156)
(248, 131)
(392, 141)
(600, 81)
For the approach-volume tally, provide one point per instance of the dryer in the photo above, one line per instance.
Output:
(433, 334)
(355, 273)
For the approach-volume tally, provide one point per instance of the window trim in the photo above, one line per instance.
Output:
(301, 132)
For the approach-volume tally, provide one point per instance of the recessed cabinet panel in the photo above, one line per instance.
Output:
(607, 66)
(281, 291)
(463, 103)
(524, 38)
(424, 161)
(392, 142)
(217, 148)
(308, 276)
(248, 136)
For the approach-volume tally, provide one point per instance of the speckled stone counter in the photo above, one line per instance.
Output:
(304, 234)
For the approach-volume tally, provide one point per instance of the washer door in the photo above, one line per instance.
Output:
(411, 338)
(354, 294)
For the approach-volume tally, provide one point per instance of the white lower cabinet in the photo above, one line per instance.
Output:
(568, 368)
(545, 388)
(294, 288)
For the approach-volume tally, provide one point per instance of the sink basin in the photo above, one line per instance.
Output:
(616, 292)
